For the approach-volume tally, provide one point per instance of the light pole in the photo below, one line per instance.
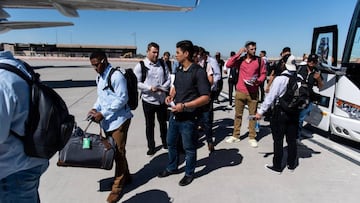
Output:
(134, 34)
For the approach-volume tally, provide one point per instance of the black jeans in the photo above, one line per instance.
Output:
(284, 124)
(161, 114)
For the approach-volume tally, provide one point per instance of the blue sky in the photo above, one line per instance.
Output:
(216, 25)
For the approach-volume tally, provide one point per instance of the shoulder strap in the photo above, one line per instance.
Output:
(15, 70)
(162, 63)
(259, 61)
(144, 70)
(18, 72)
(112, 70)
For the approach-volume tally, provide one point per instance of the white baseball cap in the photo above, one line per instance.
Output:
(290, 63)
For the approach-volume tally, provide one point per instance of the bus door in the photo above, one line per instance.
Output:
(324, 44)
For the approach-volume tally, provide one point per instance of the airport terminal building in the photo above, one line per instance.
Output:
(68, 50)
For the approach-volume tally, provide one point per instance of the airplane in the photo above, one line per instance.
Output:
(69, 7)
(6, 26)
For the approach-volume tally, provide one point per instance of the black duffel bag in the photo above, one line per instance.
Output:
(96, 152)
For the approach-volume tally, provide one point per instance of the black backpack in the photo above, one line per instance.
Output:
(131, 84)
(49, 124)
(297, 94)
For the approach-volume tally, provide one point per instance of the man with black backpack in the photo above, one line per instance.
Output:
(285, 117)
(20, 173)
(112, 111)
(154, 80)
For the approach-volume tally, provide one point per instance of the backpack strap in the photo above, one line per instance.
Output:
(109, 86)
(162, 63)
(15, 70)
(18, 72)
(144, 69)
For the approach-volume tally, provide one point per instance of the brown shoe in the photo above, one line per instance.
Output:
(114, 197)
(211, 147)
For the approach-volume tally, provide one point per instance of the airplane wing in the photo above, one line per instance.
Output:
(15, 25)
(69, 7)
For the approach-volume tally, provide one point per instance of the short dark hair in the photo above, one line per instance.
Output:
(153, 44)
(263, 51)
(232, 53)
(167, 53)
(248, 43)
(100, 55)
(186, 45)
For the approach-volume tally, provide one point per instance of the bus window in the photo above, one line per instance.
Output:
(324, 48)
(355, 50)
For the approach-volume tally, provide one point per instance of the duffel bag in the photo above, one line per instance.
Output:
(88, 150)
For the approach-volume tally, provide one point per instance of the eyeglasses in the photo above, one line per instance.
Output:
(97, 64)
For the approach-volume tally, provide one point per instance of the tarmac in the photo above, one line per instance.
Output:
(328, 171)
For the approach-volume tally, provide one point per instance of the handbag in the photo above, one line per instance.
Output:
(88, 150)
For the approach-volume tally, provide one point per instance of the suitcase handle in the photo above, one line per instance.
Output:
(88, 125)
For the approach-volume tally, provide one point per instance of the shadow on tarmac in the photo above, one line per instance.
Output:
(303, 152)
(157, 196)
(41, 67)
(218, 159)
(141, 177)
(70, 83)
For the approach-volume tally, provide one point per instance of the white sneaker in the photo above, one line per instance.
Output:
(232, 139)
(253, 143)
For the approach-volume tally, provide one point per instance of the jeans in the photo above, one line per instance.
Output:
(186, 130)
(206, 120)
(161, 112)
(303, 114)
(22, 186)
(283, 124)
(241, 99)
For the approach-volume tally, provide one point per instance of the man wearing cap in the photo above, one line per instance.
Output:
(252, 73)
(278, 67)
(282, 123)
(313, 78)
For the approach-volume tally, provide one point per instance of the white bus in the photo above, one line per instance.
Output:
(338, 112)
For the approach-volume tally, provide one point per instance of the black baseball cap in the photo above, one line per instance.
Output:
(313, 57)
(286, 49)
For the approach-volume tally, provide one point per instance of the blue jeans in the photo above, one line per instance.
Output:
(206, 120)
(22, 187)
(303, 114)
(186, 130)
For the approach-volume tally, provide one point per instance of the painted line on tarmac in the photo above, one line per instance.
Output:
(343, 152)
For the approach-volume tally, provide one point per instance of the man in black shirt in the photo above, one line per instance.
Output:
(191, 90)
(313, 78)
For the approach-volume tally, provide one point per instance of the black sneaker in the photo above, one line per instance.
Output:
(291, 168)
(150, 152)
(273, 169)
(186, 180)
(165, 173)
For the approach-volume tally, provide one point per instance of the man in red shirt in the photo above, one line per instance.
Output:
(251, 75)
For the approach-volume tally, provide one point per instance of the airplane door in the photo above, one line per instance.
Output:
(324, 44)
